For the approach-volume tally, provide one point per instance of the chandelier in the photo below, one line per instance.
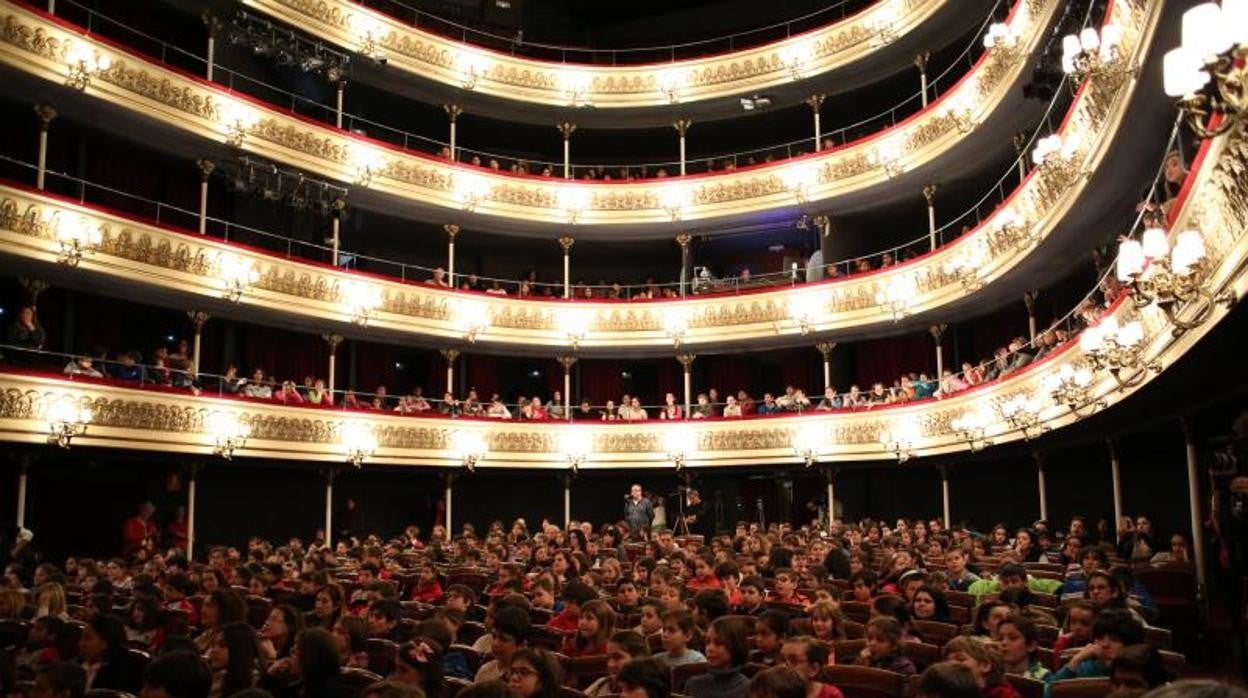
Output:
(1173, 278)
(1091, 53)
(806, 307)
(676, 324)
(1208, 71)
(1118, 349)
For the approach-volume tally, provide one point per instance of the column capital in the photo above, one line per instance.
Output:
(683, 239)
(1112, 445)
(937, 332)
(929, 193)
(566, 243)
(682, 126)
(205, 167)
(1020, 141)
(451, 230)
(829, 474)
(338, 207)
(921, 59)
(453, 111)
(686, 360)
(46, 113)
(34, 288)
(825, 348)
(566, 129)
(1189, 429)
(1038, 458)
(213, 23)
(1029, 300)
(815, 101)
(449, 354)
(333, 340)
(198, 318)
(566, 361)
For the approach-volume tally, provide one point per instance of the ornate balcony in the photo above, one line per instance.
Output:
(184, 106)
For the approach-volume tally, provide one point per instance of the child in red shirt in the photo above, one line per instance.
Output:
(428, 589)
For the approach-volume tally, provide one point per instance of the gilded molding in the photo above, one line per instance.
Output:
(434, 57)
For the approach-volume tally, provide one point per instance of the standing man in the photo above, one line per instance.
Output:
(695, 514)
(638, 511)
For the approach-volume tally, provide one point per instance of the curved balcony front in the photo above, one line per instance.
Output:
(1217, 205)
(186, 270)
(188, 115)
(876, 41)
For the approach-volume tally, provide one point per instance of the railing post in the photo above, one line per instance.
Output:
(46, 114)
(1193, 498)
(815, 102)
(567, 361)
(825, 350)
(214, 25)
(339, 208)
(566, 128)
(1115, 477)
(452, 112)
(929, 194)
(333, 340)
(1029, 300)
(198, 319)
(683, 239)
(450, 355)
(938, 333)
(205, 171)
(451, 231)
(1020, 142)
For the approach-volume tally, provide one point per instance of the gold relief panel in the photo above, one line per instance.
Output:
(434, 57)
(161, 89)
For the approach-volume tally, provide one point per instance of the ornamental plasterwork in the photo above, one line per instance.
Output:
(441, 59)
(274, 134)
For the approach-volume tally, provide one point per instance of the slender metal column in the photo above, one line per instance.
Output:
(682, 128)
(815, 102)
(566, 243)
(1115, 476)
(1020, 142)
(825, 349)
(920, 62)
(567, 361)
(190, 512)
(1044, 495)
(198, 318)
(450, 355)
(329, 507)
(944, 495)
(938, 333)
(205, 171)
(683, 239)
(929, 193)
(450, 492)
(686, 362)
(1029, 300)
(566, 128)
(1193, 499)
(451, 231)
(46, 114)
(452, 112)
(333, 340)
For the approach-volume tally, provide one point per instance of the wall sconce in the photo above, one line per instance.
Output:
(799, 179)
(972, 427)
(237, 275)
(358, 442)
(469, 446)
(899, 439)
(473, 66)
(371, 34)
(1209, 69)
(575, 445)
(361, 299)
(1055, 156)
(367, 163)
(794, 56)
(808, 443)
(470, 189)
(76, 238)
(237, 120)
(1173, 278)
(679, 442)
(84, 64)
(967, 265)
(469, 317)
(888, 156)
(1092, 53)
(1118, 349)
(1022, 412)
(577, 85)
(228, 432)
(1009, 229)
(958, 110)
(806, 308)
(896, 297)
(669, 82)
(573, 200)
(1071, 386)
(67, 418)
(676, 324)
(673, 198)
(1003, 41)
(574, 323)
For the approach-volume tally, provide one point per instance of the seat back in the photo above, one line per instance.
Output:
(544, 637)
(470, 632)
(935, 632)
(864, 682)
(1080, 688)
(921, 653)
(1027, 688)
(471, 657)
(381, 655)
(846, 651)
(258, 608)
(354, 681)
(582, 671)
(681, 674)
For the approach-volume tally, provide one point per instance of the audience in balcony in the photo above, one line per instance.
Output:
(25, 333)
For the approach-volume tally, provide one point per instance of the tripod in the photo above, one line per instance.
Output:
(682, 526)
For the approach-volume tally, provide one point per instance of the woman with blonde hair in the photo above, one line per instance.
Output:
(50, 601)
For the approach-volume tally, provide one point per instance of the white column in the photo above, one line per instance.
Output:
(336, 228)
(683, 239)
(929, 193)
(198, 318)
(450, 355)
(831, 477)
(1193, 499)
(686, 362)
(825, 349)
(214, 26)
(567, 501)
(567, 361)
(566, 128)
(1044, 495)
(1115, 476)
(920, 62)
(815, 102)
(1029, 300)
(329, 508)
(342, 87)
(190, 515)
(566, 243)
(46, 114)
(452, 112)
(205, 170)
(333, 340)
(450, 491)
(22, 477)
(1020, 142)
(944, 495)
(451, 231)
(938, 333)
(682, 127)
